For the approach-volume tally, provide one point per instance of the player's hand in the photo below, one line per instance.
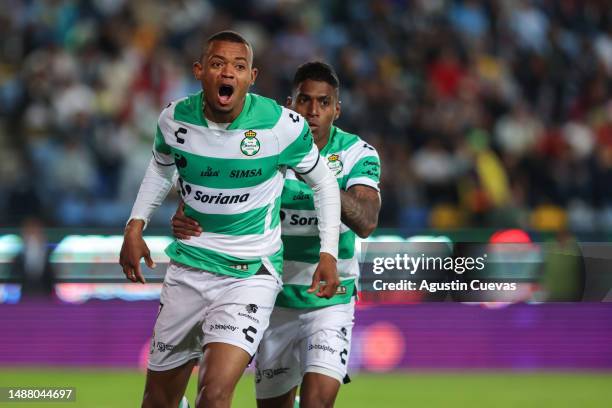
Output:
(184, 227)
(325, 280)
(134, 247)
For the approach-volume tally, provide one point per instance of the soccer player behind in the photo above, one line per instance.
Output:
(308, 340)
(231, 149)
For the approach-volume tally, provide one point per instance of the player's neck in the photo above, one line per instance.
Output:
(321, 142)
(222, 117)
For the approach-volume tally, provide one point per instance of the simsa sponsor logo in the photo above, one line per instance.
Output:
(245, 173)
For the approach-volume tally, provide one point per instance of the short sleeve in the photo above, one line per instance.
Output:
(366, 170)
(298, 149)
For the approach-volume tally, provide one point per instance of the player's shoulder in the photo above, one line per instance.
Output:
(263, 105)
(290, 127)
(259, 113)
(290, 121)
(183, 109)
(352, 144)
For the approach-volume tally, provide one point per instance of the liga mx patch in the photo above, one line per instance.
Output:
(250, 144)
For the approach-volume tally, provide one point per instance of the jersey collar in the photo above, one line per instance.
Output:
(239, 119)
(328, 146)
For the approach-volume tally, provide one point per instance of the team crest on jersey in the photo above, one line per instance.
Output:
(335, 164)
(250, 145)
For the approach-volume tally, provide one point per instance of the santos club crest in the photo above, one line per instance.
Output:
(335, 164)
(250, 145)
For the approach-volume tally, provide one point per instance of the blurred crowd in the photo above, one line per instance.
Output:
(485, 113)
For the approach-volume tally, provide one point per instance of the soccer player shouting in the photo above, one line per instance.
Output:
(231, 149)
(308, 340)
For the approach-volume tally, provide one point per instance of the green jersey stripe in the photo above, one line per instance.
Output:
(258, 113)
(338, 141)
(306, 248)
(189, 110)
(224, 173)
(297, 195)
(213, 261)
(246, 223)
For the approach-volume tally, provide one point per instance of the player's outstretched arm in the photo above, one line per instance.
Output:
(360, 208)
(154, 188)
(184, 227)
(325, 280)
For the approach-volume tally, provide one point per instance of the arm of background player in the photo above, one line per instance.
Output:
(360, 208)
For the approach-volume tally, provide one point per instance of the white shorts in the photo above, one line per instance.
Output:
(300, 341)
(199, 307)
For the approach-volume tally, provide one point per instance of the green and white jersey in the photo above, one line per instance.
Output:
(353, 162)
(231, 180)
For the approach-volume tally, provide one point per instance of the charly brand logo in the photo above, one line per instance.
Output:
(250, 145)
(335, 164)
(209, 172)
(251, 308)
(343, 355)
(247, 333)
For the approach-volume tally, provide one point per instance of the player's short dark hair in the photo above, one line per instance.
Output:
(228, 35)
(316, 71)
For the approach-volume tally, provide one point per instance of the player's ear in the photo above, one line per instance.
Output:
(197, 70)
(288, 102)
(254, 73)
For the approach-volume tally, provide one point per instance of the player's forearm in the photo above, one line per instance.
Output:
(327, 206)
(156, 184)
(360, 212)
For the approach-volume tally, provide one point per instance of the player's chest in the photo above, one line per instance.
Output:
(225, 159)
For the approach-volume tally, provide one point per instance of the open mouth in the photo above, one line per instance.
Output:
(225, 94)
